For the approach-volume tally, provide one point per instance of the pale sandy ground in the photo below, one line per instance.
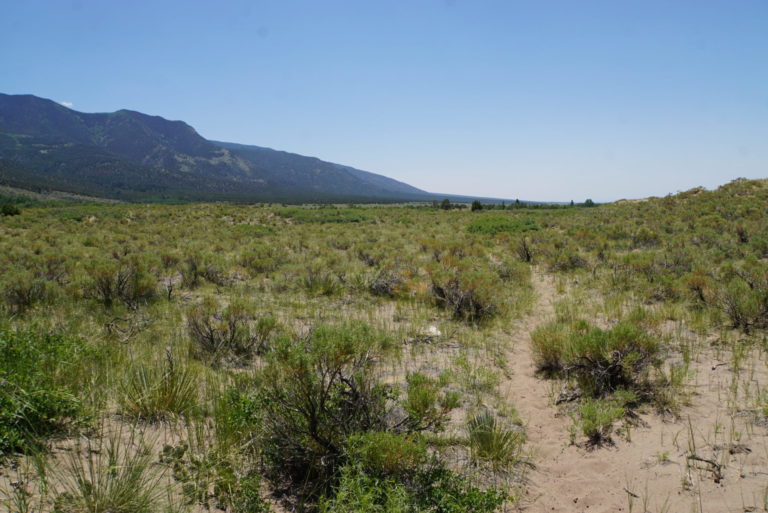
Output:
(651, 472)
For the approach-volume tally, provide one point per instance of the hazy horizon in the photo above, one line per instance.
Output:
(552, 102)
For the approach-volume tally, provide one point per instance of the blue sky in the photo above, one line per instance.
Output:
(541, 100)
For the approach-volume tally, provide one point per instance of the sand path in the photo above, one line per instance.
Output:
(649, 473)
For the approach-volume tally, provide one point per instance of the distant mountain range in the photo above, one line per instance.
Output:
(132, 156)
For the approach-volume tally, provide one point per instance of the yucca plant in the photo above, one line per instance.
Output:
(492, 442)
(159, 391)
(111, 475)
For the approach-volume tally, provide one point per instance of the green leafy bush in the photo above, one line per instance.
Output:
(433, 489)
(426, 405)
(37, 397)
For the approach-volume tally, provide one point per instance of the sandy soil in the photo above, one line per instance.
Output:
(652, 471)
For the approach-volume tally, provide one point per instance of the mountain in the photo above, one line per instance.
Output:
(133, 156)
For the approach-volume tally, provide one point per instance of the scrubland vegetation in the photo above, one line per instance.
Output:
(158, 358)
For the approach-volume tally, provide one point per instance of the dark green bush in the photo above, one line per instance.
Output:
(9, 210)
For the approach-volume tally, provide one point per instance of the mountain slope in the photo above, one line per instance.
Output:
(134, 156)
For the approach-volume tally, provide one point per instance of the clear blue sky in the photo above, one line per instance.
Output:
(543, 100)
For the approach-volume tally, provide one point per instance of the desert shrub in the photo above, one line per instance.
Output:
(566, 259)
(261, 259)
(514, 272)
(38, 376)
(384, 453)
(23, 291)
(386, 282)
(192, 271)
(601, 361)
(314, 394)
(128, 282)
(490, 441)
(524, 250)
(158, 391)
(595, 419)
(493, 225)
(232, 334)
(645, 238)
(744, 298)
(469, 292)
(319, 282)
(426, 405)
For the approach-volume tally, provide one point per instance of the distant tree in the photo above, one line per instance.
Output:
(445, 204)
(10, 210)
(589, 203)
(476, 205)
(503, 206)
(571, 202)
(518, 204)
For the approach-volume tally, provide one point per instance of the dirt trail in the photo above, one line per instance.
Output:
(651, 472)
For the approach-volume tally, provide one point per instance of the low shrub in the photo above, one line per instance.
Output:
(469, 292)
(596, 418)
(313, 395)
(324, 215)
(319, 282)
(601, 361)
(23, 291)
(128, 282)
(426, 405)
(233, 334)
